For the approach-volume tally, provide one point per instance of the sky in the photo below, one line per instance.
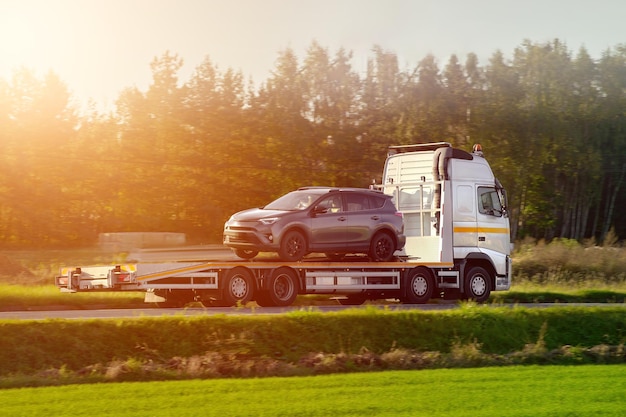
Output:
(100, 47)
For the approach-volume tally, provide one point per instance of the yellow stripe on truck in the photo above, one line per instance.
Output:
(481, 230)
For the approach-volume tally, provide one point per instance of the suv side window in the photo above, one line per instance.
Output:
(376, 202)
(357, 202)
(331, 204)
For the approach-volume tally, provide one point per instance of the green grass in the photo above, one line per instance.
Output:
(558, 294)
(28, 297)
(506, 391)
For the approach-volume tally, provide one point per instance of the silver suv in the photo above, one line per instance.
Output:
(334, 221)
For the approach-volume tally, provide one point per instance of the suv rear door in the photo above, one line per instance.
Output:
(364, 217)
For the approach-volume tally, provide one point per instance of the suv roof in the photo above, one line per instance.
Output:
(343, 189)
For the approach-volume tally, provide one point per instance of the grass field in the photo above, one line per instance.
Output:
(507, 391)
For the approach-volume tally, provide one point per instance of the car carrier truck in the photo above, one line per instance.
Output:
(457, 247)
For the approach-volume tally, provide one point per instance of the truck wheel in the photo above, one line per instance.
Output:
(246, 253)
(381, 247)
(477, 284)
(238, 287)
(282, 288)
(419, 286)
(292, 246)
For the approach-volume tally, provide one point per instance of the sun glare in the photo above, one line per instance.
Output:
(42, 36)
(21, 31)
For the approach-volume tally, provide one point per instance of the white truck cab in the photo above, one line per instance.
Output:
(454, 210)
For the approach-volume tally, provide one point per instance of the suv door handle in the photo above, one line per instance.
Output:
(342, 219)
(375, 217)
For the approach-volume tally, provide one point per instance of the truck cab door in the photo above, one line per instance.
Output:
(465, 221)
(493, 225)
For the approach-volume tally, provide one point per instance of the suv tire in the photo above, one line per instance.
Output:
(382, 247)
(292, 246)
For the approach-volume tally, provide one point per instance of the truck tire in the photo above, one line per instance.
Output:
(382, 247)
(292, 246)
(477, 284)
(282, 289)
(238, 287)
(419, 286)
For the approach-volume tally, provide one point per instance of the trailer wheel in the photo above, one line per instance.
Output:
(419, 286)
(477, 284)
(292, 246)
(238, 287)
(382, 247)
(282, 289)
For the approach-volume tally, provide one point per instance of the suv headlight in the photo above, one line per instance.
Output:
(269, 220)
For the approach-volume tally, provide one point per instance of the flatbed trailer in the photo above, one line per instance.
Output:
(269, 282)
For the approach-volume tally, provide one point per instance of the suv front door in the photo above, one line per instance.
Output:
(329, 223)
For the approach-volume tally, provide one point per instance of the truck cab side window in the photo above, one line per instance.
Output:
(489, 202)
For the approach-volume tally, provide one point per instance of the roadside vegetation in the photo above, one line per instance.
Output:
(306, 342)
(570, 264)
(565, 270)
(492, 391)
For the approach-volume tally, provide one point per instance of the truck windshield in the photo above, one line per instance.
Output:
(295, 200)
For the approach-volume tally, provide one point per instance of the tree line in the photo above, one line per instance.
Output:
(183, 155)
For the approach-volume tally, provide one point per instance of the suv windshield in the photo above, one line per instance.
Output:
(295, 200)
